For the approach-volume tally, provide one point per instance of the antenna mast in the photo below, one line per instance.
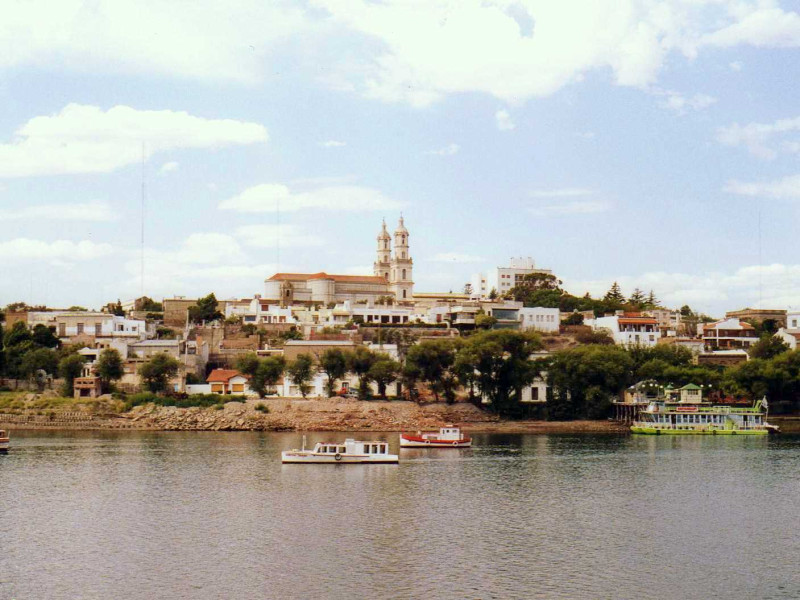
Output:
(144, 191)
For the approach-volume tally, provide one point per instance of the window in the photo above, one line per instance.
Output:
(404, 273)
(62, 329)
(80, 328)
(534, 393)
(98, 328)
(404, 293)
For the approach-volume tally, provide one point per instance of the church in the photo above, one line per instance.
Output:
(392, 277)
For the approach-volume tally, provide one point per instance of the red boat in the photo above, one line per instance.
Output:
(448, 437)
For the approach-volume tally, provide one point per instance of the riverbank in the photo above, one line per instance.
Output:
(326, 414)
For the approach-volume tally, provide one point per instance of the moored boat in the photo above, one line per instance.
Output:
(447, 437)
(679, 418)
(4, 441)
(348, 452)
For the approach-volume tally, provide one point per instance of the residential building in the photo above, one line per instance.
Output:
(729, 334)
(89, 327)
(546, 320)
(793, 320)
(629, 329)
(227, 381)
(502, 279)
(788, 337)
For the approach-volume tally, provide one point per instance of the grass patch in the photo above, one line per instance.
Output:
(193, 401)
(261, 407)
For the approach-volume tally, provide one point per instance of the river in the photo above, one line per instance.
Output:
(215, 515)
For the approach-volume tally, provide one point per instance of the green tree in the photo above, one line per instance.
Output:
(267, 374)
(116, 309)
(434, 360)
(484, 321)
(768, 346)
(205, 310)
(17, 334)
(301, 371)
(36, 360)
(359, 362)
(615, 294)
(538, 289)
(70, 367)
(503, 366)
(637, 298)
(493, 294)
(384, 371)
(575, 318)
(333, 363)
(45, 337)
(109, 368)
(157, 372)
(652, 301)
(247, 364)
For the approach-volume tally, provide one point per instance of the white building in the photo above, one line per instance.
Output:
(103, 327)
(628, 330)
(547, 320)
(395, 266)
(502, 279)
(793, 320)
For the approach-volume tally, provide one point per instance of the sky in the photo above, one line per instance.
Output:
(656, 144)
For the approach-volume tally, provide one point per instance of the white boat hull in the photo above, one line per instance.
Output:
(301, 457)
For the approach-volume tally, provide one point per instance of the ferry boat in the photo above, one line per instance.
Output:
(680, 418)
(4, 441)
(448, 437)
(348, 452)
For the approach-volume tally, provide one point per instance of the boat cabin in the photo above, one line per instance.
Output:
(352, 447)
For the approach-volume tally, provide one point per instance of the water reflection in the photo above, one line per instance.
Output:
(210, 515)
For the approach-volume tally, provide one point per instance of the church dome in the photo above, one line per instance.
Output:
(401, 227)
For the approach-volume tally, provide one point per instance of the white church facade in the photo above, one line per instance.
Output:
(392, 277)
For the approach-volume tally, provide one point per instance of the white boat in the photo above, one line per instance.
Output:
(3, 441)
(448, 437)
(347, 452)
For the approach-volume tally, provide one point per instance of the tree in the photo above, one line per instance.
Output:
(359, 362)
(157, 371)
(333, 363)
(301, 371)
(434, 360)
(614, 294)
(538, 289)
(493, 294)
(109, 368)
(205, 310)
(45, 337)
(39, 360)
(116, 309)
(383, 372)
(768, 346)
(267, 374)
(637, 298)
(575, 318)
(502, 365)
(69, 368)
(652, 301)
(17, 334)
(484, 321)
(247, 364)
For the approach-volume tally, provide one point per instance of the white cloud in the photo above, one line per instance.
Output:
(168, 167)
(448, 150)
(560, 193)
(27, 249)
(680, 103)
(332, 144)
(267, 197)
(764, 26)
(455, 257)
(91, 211)
(570, 208)
(270, 236)
(766, 286)
(785, 188)
(586, 135)
(757, 137)
(735, 66)
(503, 120)
(86, 139)
(211, 42)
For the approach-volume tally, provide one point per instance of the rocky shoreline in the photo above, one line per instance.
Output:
(334, 414)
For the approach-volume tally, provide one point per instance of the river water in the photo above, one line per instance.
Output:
(215, 515)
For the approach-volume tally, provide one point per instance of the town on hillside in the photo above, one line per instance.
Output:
(512, 341)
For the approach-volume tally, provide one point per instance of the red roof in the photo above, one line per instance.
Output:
(637, 321)
(324, 275)
(223, 375)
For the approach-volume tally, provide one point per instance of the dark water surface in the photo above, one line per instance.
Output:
(215, 515)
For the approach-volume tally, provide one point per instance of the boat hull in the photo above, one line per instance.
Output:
(418, 442)
(300, 457)
(665, 431)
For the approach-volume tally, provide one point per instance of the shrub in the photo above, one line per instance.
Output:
(261, 407)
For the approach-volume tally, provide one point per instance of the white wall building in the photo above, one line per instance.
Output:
(628, 330)
(69, 324)
(502, 279)
(547, 320)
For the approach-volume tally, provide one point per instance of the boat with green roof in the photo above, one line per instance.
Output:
(684, 412)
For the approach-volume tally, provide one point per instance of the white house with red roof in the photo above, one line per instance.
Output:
(629, 329)
(227, 381)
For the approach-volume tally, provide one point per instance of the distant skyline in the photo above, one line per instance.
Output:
(653, 144)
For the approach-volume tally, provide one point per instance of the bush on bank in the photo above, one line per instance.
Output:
(179, 400)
